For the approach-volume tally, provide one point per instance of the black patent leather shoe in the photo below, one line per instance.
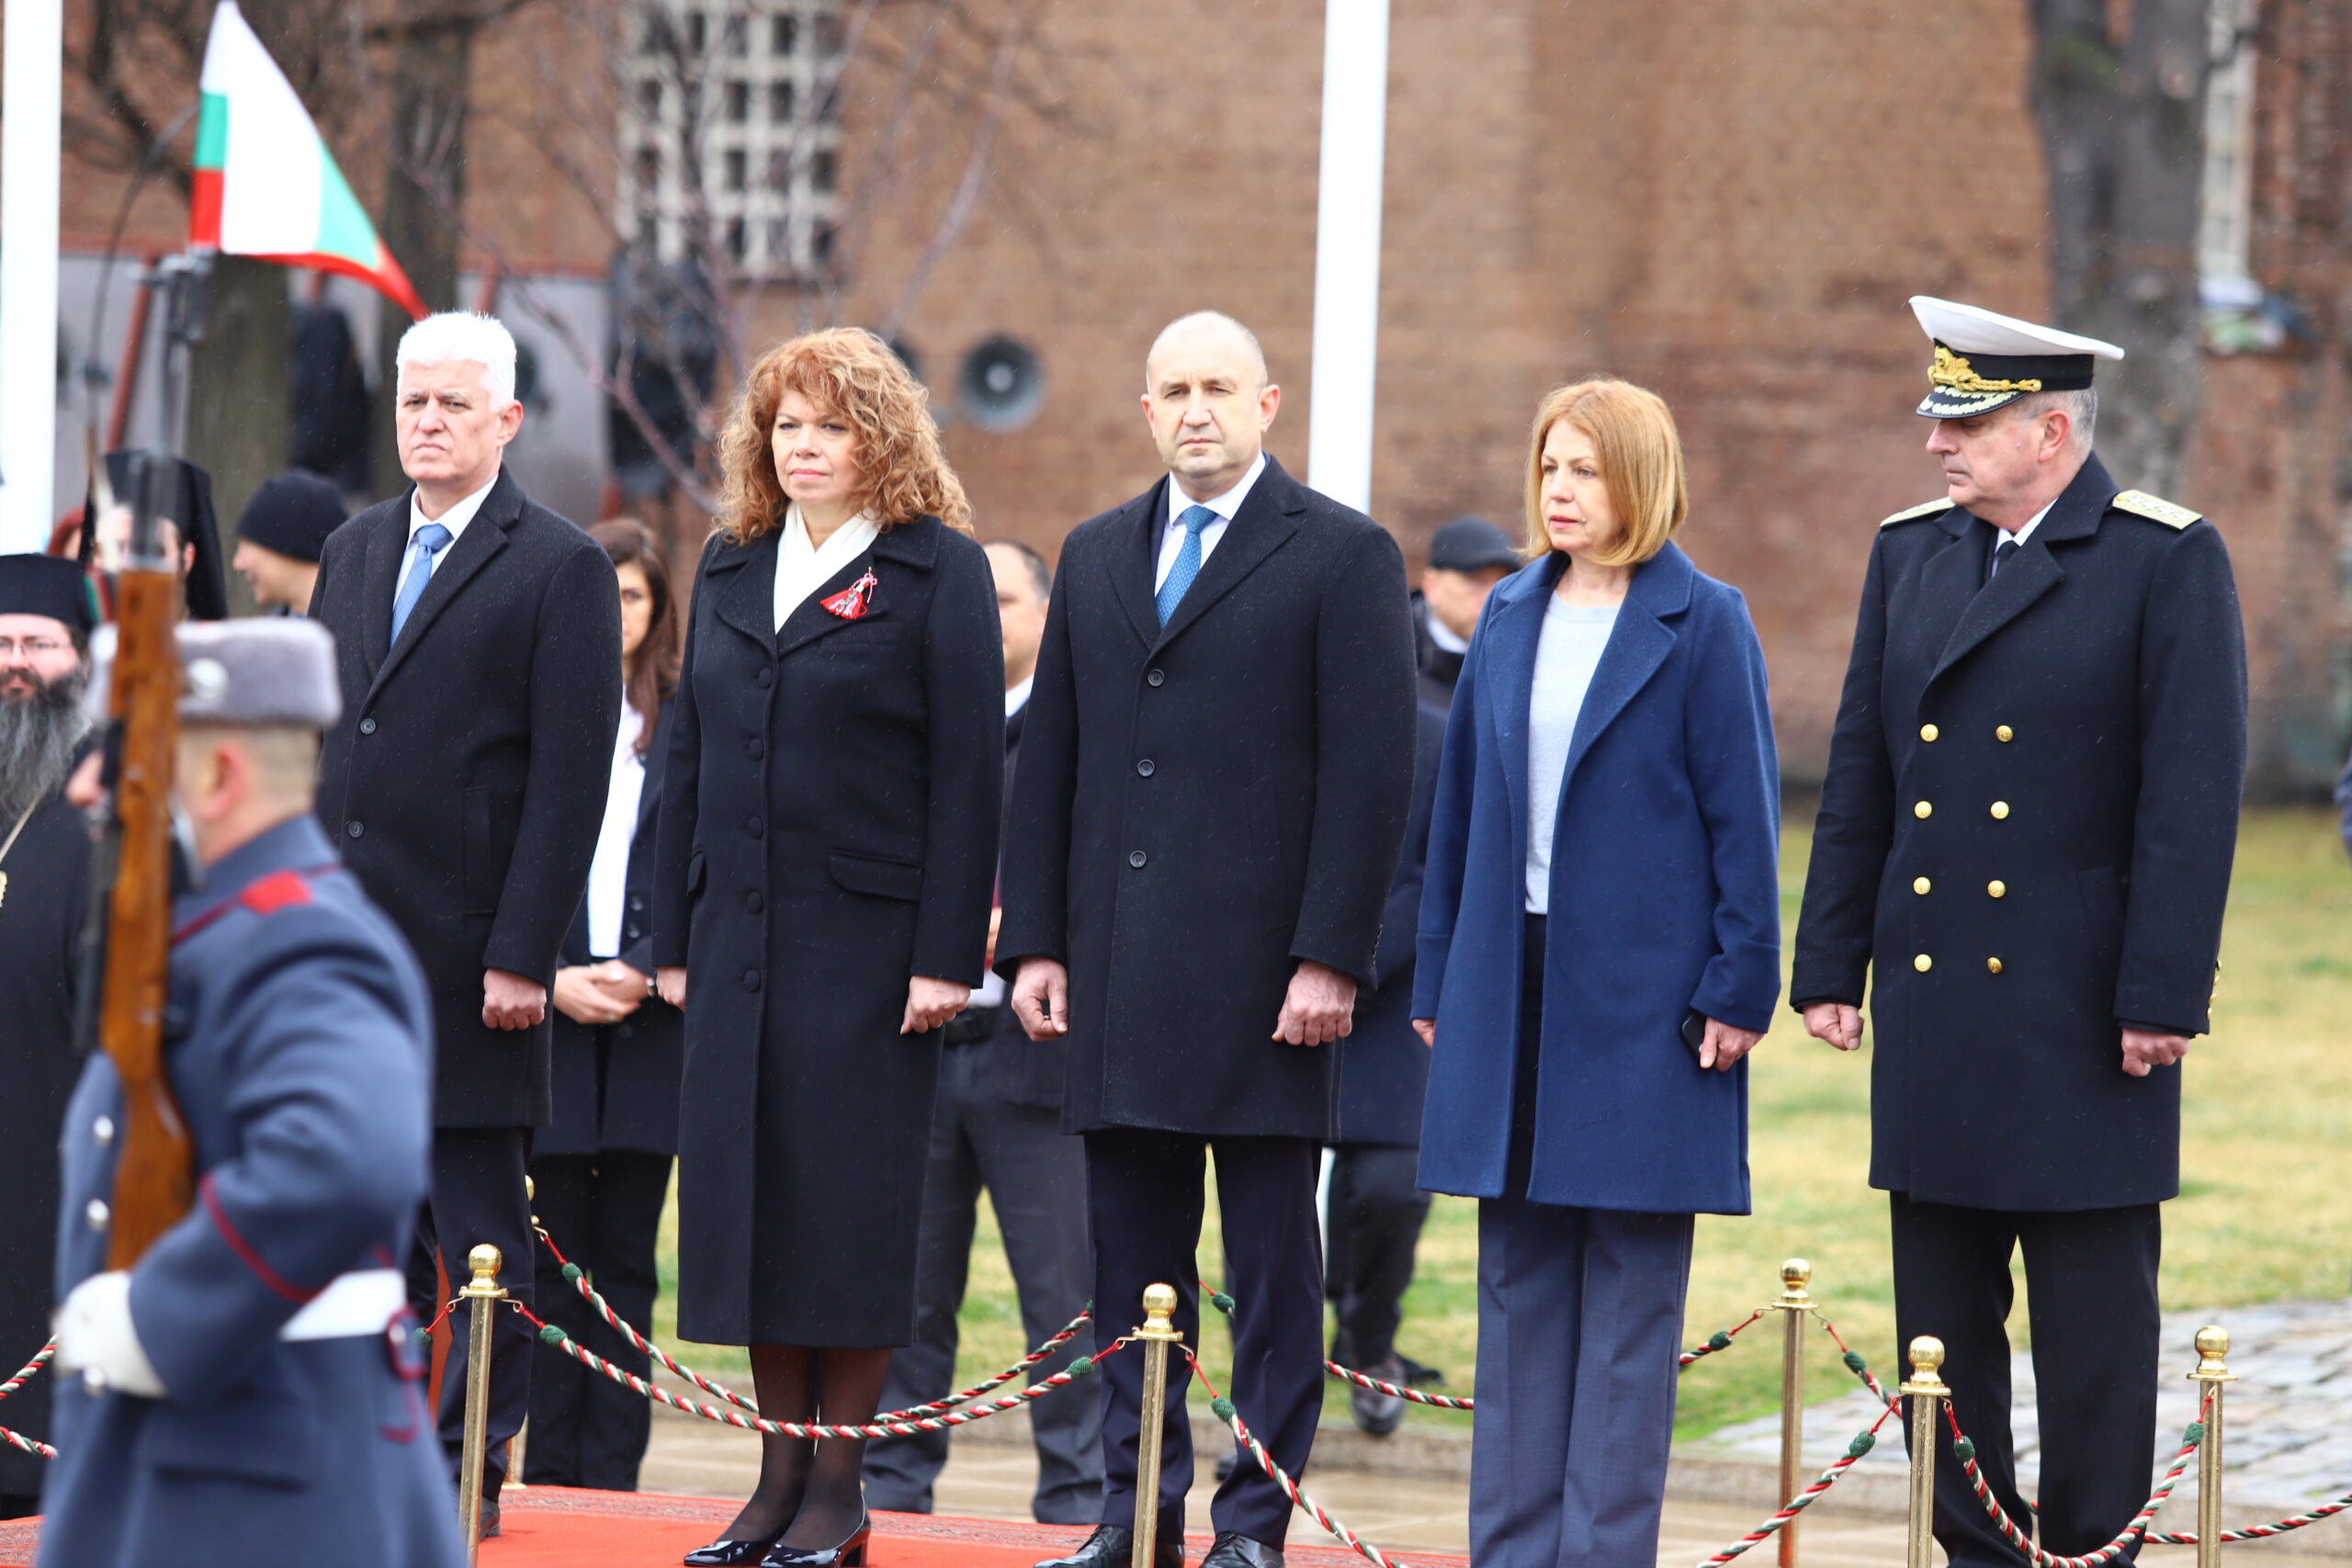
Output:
(730, 1554)
(1113, 1546)
(850, 1554)
(489, 1519)
(1234, 1549)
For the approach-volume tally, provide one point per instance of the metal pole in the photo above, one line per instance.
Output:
(32, 83)
(2213, 1347)
(1347, 249)
(1794, 1307)
(1925, 1387)
(1158, 1333)
(482, 1296)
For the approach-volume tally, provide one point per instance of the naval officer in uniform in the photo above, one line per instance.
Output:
(2025, 834)
(252, 1386)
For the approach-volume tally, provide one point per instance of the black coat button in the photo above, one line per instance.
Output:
(754, 826)
(1147, 767)
(634, 931)
(1136, 858)
(354, 829)
(751, 902)
(755, 748)
(766, 679)
(627, 1030)
(751, 979)
(637, 900)
(1156, 678)
(368, 726)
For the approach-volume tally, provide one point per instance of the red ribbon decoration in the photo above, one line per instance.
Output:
(854, 601)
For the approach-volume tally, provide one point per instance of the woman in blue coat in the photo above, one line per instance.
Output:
(1599, 948)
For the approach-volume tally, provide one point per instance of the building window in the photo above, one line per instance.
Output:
(739, 97)
(2225, 230)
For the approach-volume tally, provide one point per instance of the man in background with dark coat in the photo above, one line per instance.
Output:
(1467, 557)
(44, 882)
(1216, 767)
(998, 1126)
(2025, 840)
(478, 639)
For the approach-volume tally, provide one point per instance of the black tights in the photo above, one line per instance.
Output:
(811, 1487)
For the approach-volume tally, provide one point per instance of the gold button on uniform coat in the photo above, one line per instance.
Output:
(1924, 810)
(1923, 963)
(2005, 734)
(2000, 811)
(1929, 732)
(1920, 885)
(1993, 964)
(1997, 889)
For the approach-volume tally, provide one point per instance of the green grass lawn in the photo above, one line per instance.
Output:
(2266, 1153)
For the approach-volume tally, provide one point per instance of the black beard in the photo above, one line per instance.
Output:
(41, 737)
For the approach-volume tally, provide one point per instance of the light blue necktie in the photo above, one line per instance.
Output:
(1187, 565)
(430, 541)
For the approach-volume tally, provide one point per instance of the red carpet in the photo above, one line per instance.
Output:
(550, 1526)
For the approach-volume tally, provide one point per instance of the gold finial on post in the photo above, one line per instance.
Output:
(2212, 1371)
(1925, 1386)
(482, 1294)
(1159, 1332)
(1795, 1306)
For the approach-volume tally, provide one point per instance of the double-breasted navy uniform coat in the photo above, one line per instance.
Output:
(2025, 837)
(829, 831)
(299, 1042)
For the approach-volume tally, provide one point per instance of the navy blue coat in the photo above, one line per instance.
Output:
(298, 1041)
(1383, 1067)
(1665, 897)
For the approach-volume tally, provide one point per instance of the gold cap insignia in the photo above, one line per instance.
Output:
(1954, 371)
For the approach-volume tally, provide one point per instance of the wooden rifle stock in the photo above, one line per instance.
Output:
(154, 1176)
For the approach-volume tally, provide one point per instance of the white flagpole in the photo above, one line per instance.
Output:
(1347, 249)
(33, 86)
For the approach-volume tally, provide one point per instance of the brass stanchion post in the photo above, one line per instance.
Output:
(482, 1294)
(1794, 1307)
(1925, 1386)
(1158, 1333)
(2212, 1347)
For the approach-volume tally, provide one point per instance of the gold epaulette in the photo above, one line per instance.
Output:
(1925, 508)
(2156, 508)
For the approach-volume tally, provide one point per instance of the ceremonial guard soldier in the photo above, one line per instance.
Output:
(2026, 830)
(251, 1386)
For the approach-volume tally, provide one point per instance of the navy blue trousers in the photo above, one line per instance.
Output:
(1144, 1200)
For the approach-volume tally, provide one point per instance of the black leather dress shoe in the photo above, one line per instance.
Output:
(1113, 1546)
(730, 1554)
(1233, 1549)
(850, 1554)
(489, 1519)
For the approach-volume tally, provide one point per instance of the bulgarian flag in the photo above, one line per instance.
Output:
(265, 185)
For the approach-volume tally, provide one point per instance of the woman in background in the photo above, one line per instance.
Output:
(1600, 948)
(601, 1170)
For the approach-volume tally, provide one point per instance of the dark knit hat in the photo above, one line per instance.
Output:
(292, 513)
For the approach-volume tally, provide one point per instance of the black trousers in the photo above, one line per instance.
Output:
(2091, 1299)
(1377, 1211)
(478, 1197)
(1035, 1178)
(1145, 1198)
(605, 1210)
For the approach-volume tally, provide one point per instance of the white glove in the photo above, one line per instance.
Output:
(96, 1338)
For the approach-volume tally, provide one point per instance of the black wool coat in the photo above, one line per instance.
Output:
(828, 830)
(40, 936)
(465, 782)
(615, 1085)
(1385, 1069)
(2025, 834)
(1202, 806)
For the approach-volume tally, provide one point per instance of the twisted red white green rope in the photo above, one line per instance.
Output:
(26, 1373)
(1965, 1451)
(1308, 1506)
(1863, 1442)
(2260, 1532)
(29, 1444)
(613, 1320)
(549, 1334)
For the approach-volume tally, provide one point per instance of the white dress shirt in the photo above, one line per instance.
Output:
(801, 568)
(454, 520)
(2022, 534)
(1171, 537)
(608, 873)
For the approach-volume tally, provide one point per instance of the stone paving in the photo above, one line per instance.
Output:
(2286, 1421)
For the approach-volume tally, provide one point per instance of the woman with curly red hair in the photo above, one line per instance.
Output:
(827, 865)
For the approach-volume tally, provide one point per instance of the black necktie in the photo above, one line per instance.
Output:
(2001, 553)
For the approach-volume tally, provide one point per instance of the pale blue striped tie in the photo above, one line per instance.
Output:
(1187, 565)
(429, 542)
